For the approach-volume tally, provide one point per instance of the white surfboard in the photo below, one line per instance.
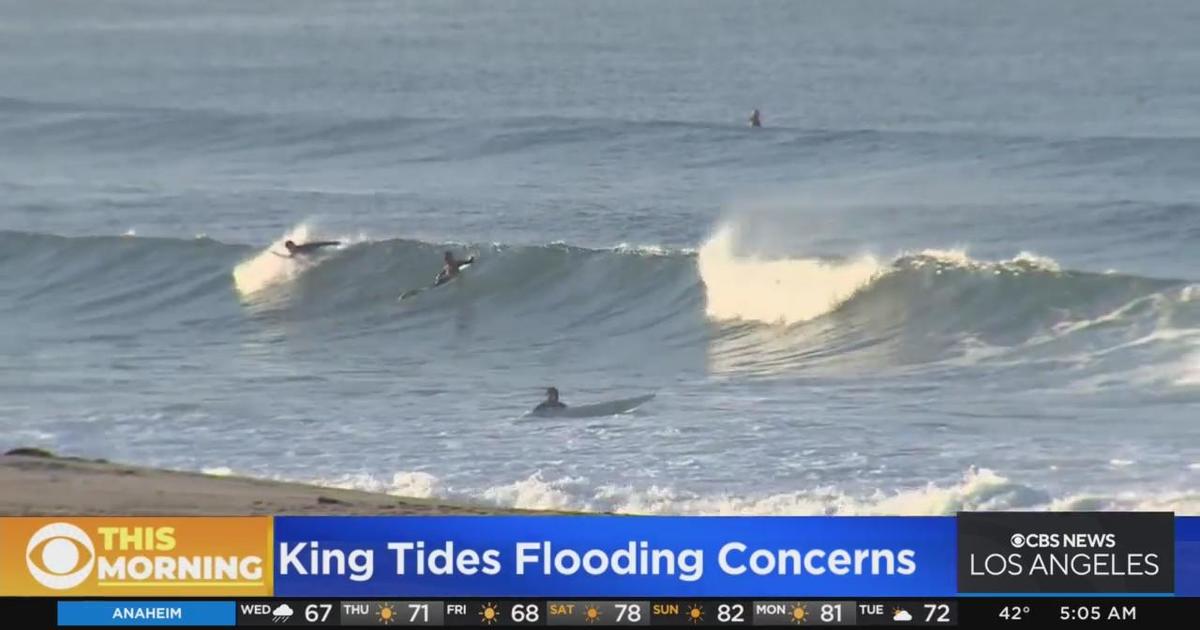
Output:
(411, 292)
(594, 410)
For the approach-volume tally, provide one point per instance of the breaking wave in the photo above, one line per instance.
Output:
(747, 312)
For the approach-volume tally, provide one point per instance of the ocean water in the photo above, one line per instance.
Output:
(956, 269)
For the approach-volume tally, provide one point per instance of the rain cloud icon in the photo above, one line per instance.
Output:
(281, 613)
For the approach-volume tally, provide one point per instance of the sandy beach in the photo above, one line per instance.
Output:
(34, 482)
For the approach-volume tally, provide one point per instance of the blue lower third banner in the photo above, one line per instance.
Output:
(146, 613)
(614, 556)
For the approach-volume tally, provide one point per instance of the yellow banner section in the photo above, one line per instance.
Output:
(133, 555)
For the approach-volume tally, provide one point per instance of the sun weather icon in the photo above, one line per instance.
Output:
(696, 614)
(591, 614)
(488, 614)
(386, 613)
(799, 613)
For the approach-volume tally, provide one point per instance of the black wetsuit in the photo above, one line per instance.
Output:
(307, 248)
(548, 404)
(448, 273)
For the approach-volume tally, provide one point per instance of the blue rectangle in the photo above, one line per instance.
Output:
(1187, 556)
(145, 613)
(872, 545)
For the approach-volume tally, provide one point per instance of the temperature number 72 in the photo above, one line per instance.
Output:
(937, 613)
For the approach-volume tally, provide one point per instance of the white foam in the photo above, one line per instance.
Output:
(644, 250)
(1180, 372)
(269, 267)
(535, 493)
(1155, 304)
(776, 291)
(1189, 371)
(794, 290)
(1178, 502)
(975, 350)
(272, 267)
(1029, 259)
(979, 489)
(218, 471)
(416, 484)
(958, 258)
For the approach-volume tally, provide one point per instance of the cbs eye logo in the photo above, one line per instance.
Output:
(60, 556)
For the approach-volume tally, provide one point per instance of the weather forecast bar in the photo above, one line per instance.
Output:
(972, 612)
(596, 612)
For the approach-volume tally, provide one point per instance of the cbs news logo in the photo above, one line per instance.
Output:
(60, 556)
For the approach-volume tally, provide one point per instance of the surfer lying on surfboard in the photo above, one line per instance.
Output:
(305, 248)
(551, 402)
(450, 268)
(554, 408)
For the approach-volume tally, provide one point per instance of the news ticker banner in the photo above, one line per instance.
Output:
(973, 554)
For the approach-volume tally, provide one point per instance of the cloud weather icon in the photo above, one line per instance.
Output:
(281, 613)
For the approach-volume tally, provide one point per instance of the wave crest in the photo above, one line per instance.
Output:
(921, 307)
(784, 291)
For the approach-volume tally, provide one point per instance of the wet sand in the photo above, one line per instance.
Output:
(34, 482)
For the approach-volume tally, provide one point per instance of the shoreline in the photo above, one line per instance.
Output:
(40, 483)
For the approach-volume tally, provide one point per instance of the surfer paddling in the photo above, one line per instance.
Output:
(551, 402)
(305, 249)
(450, 268)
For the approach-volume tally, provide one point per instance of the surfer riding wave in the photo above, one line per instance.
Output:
(305, 249)
(450, 268)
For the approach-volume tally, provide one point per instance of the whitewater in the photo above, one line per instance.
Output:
(955, 269)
